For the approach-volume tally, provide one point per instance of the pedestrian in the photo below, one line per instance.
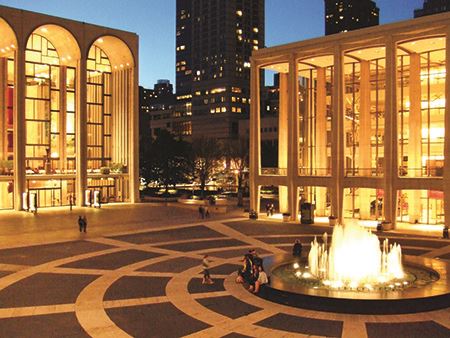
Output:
(84, 223)
(262, 279)
(206, 276)
(70, 201)
(206, 212)
(272, 209)
(268, 209)
(445, 231)
(297, 249)
(80, 223)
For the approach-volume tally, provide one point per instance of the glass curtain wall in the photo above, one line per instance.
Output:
(315, 114)
(98, 110)
(365, 82)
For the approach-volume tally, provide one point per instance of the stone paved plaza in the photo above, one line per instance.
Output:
(137, 272)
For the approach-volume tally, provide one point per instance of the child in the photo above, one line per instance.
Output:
(206, 276)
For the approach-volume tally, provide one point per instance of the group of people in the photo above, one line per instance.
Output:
(270, 209)
(203, 212)
(252, 272)
(82, 223)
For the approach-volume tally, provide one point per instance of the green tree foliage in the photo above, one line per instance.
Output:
(166, 160)
(206, 153)
(237, 152)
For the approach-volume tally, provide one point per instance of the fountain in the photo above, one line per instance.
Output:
(354, 273)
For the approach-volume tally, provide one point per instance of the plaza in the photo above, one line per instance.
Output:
(139, 274)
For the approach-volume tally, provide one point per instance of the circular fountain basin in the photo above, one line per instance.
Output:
(427, 288)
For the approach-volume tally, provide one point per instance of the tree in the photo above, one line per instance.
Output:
(237, 152)
(206, 153)
(167, 161)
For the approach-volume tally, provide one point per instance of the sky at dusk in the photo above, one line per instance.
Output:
(154, 22)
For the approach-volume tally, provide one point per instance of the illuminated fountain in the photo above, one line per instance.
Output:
(355, 259)
(358, 274)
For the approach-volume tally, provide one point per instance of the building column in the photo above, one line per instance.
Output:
(3, 123)
(390, 168)
(19, 127)
(337, 131)
(415, 136)
(62, 118)
(255, 137)
(134, 137)
(365, 131)
(293, 137)
(283, 137)
(446, 178)
(321, 156)
(81, 132)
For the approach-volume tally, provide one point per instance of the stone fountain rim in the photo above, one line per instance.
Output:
(439, 288)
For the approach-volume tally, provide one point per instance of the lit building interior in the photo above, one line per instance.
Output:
(361, 124)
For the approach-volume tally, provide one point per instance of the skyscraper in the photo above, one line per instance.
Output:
(347, 15)
(215, 39)
(432, 7)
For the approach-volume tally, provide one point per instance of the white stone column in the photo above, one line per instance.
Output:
(19, 127)
(365, 131)
(447, 133)
(62, 118)
(255, 137)
(321, 157)
(81, 132)
(337, 131)
(415, 135)
(134, 137)
(3, 124)
(390, 134)
(283, 137)
(293, 137)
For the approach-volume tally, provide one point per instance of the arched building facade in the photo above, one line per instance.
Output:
(68, 112)
(362, 123)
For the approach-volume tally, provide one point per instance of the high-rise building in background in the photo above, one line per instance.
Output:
(432, 7)
(214, 42)
(347, 15)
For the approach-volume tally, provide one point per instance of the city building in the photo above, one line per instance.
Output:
(432, 7)
(68, 112)
(214, 41)
(348, 15)
(361, 124)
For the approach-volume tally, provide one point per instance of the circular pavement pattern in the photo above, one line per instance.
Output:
(148, 284)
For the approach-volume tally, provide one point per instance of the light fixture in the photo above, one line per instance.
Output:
(100, 40)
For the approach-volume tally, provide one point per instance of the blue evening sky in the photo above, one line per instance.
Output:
(154, 22)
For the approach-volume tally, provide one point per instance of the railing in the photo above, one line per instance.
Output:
(364, 172)
(274, 171)
(314, 171)
(421, 172)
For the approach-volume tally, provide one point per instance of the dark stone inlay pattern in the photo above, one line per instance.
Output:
(201, 245)
(407, 330)
(446, 256)
(228, 306)
(195, 286)
(286, 240)
(303, 325)
(137, 287)
(112, 261)
(39, 254)
(199, 231)
(235, 335)
(44, 289)
(224, 269)
(261, 228)
(4, 273)
(56, 325)
(173, 265)
(155, 320)
(414, 252)
(236, 253)
(415, 242)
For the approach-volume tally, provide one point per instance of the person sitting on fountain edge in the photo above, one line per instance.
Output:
(297, 249)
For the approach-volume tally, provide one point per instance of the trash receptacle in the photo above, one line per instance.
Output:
(306, 213)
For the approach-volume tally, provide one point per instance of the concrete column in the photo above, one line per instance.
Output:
(337, 129)
(62, 118)
(255, 137)
(19, 127)
(321, 139)
(81, 132)
(134, 137)
(283, 137)
(415, 135)
(365, 131)
(3, 124)
(293, 137)
(447, 134)
(390, 135)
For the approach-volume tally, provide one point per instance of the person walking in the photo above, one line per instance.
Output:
(297, 249)
(445, 232)
(206, 276)
(80, 223)
(84, 223)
